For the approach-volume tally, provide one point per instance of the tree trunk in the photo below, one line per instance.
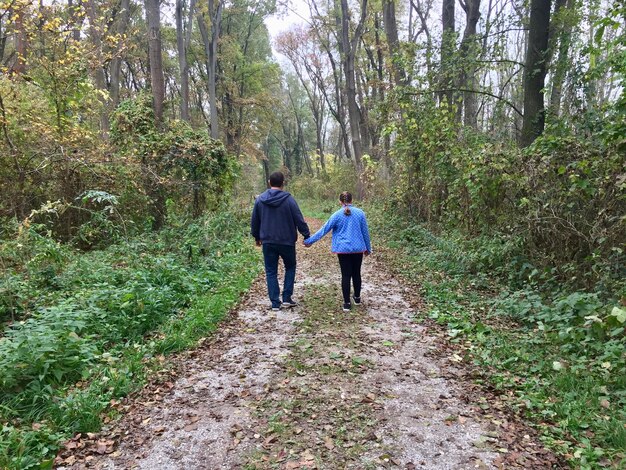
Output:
(391, 31)
(535, 71)
(349, 46)
(99, 75)
(74, 18)
(210, 48)
(320, 147)
(591, 90)
(564, 40)
(157, 79)
(447, 51)
(21, 40)
(154, 188)
(266, 171)
(364, 123)
(182, 63)
(468, 52)
(116, 61)
(423, 16)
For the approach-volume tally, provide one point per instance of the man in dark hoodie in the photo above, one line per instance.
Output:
(275, 219)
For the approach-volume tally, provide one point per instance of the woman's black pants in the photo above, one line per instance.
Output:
(350, 264)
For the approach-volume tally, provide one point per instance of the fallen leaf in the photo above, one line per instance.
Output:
(293, 465)
(328, 442)
(104, 447)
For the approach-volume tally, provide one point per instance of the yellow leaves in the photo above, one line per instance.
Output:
(53, 24)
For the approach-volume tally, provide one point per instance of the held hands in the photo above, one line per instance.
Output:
(366, 253)
(306, 244)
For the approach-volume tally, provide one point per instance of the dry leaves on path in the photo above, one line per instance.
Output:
(312, 387)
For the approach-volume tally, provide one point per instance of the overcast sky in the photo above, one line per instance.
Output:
(296, 12)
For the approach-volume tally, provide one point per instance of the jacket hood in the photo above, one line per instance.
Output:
(274, 197)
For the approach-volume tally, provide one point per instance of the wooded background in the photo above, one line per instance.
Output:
(485, 138)
(439, 102)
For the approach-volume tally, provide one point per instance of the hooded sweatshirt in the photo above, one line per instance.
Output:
(275, 218)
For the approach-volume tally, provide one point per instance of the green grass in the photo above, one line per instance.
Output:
(557, 355)
(317, 209)
(97, 325)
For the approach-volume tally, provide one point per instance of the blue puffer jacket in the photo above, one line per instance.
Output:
(350, 232)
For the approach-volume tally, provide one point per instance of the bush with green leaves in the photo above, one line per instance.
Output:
(90, 332)
(185, 163)
(561, 201)
(555, 353)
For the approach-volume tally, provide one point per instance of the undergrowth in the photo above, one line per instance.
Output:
(557, 354)
(82, 329)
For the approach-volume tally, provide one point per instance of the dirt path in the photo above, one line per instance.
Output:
(309, 387)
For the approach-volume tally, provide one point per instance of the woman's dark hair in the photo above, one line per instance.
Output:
(346, 198)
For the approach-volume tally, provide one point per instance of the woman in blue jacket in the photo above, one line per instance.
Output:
(351, 240)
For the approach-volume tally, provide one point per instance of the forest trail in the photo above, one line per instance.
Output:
(310, 387)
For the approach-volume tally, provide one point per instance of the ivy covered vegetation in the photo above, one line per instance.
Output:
(88, 328)
(555, 354)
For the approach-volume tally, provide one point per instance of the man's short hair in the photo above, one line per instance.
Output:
(277, 179)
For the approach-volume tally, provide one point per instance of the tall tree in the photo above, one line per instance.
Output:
(535, 71)
(564, 12)
(157, 79)
(95, 35)
(123, 21)
(391, 31)
(468, 55)
(154, 187)
(19, 11)
(349, 45)
(182, 62)
(210, 40)
(307, 62)
(334, 95)
(448, 40)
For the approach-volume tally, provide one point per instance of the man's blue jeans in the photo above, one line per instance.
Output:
(271, 253)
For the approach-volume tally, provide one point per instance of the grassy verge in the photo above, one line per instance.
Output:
(321, 210)
(92, 327)
(558, 357)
